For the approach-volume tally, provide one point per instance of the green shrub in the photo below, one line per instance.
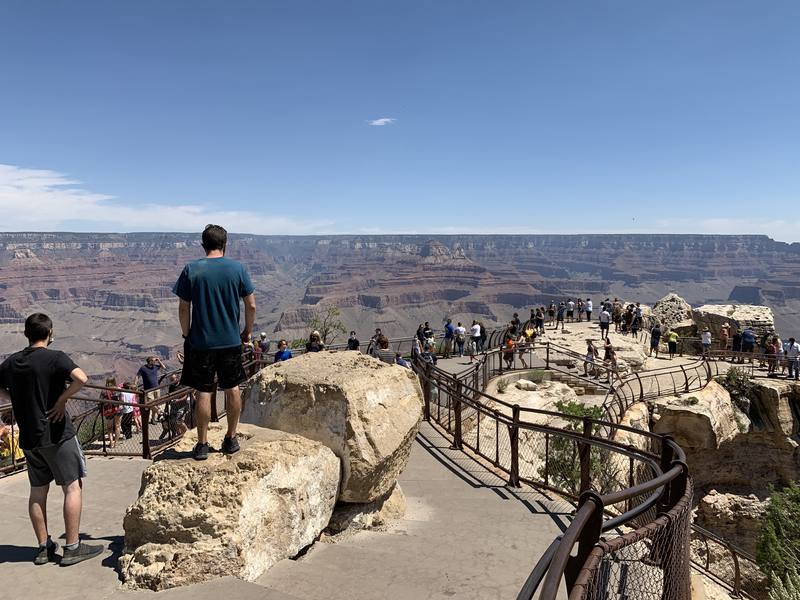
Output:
(740, 386)
(786, 588)
(778, 547)
(564, 465)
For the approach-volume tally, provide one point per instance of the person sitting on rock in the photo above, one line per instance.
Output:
(314, 343)
(399, 360)
(283, 352)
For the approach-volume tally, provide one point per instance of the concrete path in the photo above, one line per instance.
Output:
(465, 535)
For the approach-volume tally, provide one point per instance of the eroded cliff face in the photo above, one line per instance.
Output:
(111, 293)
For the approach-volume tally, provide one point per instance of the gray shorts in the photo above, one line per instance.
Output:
(64, 463)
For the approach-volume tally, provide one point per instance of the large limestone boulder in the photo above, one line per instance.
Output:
(672, 310)
(738, 316)
(230, 515)
(701, 420)
(366, 411)
(735, 518)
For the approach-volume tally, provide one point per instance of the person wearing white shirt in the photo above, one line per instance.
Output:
(605, 321)
(793, 358)
(475, 338)
(589, 306)
(461, 336)
(705, 340)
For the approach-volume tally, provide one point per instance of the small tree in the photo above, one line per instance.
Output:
(564, 465)
(778, 547)
(329, 324)
(787, 588)
(740, 386)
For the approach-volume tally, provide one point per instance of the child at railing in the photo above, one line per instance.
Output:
(9, 444)
(111, 412)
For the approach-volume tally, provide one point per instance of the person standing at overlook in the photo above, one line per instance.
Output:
(38, 382)
(352, 342)
(655, 339)
(588, 306)
(605, 322)
(449, 337)
(148, 373)
(210, 290)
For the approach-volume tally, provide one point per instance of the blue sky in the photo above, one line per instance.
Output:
(560, 117)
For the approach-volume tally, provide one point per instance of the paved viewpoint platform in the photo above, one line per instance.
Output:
(465, 535)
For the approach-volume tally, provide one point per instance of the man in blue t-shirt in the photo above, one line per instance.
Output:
(210, 290)
(449, 337)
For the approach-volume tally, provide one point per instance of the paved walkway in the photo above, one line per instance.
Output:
(465, 535)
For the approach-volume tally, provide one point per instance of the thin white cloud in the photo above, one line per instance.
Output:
(382, 121)
(44, 200)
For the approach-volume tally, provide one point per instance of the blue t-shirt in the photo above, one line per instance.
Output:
(282, 355)
(449, 331)
(149, 376)
(214, 286)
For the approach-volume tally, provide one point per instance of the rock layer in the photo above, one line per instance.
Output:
(366, 411)
(236, 515)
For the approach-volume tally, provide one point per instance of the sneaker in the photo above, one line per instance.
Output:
(230, 445)
(200, 451)
(81, 553)
(46, 553)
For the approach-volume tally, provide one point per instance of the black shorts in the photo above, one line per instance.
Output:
(202, 367)
(64, 463)
(603, 325)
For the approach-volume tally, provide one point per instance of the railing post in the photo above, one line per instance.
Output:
(513, 480)
(145, 410)
(585, 454)
(667, 456)
(547, 356)
(426, 392)
(546, 458)
(686, 380)
(589, 537)
(457, 411)
(737, 574)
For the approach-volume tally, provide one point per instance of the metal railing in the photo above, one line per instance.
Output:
(631, 484)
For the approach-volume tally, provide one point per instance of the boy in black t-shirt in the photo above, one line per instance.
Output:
(35, 380)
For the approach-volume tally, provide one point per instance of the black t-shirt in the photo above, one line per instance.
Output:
(35, 378)
(353, 344)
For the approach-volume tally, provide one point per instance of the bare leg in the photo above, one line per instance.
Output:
(37, 509)
(202, 414)
(233, 399)
(73, 502)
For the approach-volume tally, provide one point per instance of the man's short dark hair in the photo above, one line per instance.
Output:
(214, 238)
(38, 327)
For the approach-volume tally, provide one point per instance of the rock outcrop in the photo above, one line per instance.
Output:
(699, 421)
(738, 316)
(348, 516)
(672, 311)
(230, 515)
(366, 411)
(737, 519)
